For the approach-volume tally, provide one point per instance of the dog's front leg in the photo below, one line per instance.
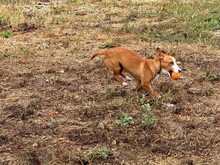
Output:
(138, 86)
(148, 87)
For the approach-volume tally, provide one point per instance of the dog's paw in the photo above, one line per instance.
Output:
(124, 84)
(128, 78)
(156, 95)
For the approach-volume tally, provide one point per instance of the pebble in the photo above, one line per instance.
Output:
(101, 126)
(169, 105)
(194, 91)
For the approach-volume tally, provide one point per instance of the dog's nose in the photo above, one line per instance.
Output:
(179, 70)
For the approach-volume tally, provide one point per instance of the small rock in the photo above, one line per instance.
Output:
(62, 71)
(182, 77)
(194, 91)
(114, 142)
(169, 105)
(35, 145)
(101, 126)
(109, 127)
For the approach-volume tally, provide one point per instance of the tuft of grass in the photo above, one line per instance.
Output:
(3, 20)
(148, 119)
(5, 27)
(125, 120)
(210, 76)
(7, 56)
(193, 22)
(6, 33)
(25, 51)
(109, 43)
(99, 153)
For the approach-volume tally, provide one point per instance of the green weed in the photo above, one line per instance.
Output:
(165, 97)
(126, 120)
(6, 33)
(109, 43)
(7, 56)
(99, 153)
(25, 51)
(3, 20)
(130, 101)
(210, 76)
(148, 119)
(5, 27)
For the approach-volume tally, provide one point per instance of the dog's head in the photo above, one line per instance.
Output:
(168, 63)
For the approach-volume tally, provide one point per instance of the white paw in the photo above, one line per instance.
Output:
(128, 78)
(124, 84)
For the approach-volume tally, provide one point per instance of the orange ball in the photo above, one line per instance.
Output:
(175, 75)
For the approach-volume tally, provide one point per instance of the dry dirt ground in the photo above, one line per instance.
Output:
(57, 106)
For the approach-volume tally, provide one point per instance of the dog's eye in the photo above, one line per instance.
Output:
(171, 63)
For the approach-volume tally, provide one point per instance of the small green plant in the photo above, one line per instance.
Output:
(143, 99)
(25, 51)
(148, 119)
(7, 56)
(5, 27)
(130, 101)
(6, 33)
(210, 76)
(125, 120)
(109, 43)
(3, 20)
(165, 97)
(146, 100)
(99, 153)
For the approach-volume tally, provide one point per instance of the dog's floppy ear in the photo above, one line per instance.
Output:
(160, 53)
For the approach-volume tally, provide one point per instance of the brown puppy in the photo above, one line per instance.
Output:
(142, 69)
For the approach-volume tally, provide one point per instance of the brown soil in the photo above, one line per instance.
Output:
(56, 105)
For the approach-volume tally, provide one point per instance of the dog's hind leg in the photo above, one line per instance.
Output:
(117, 70)
(123, 75)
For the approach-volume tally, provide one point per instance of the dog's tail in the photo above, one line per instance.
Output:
(99, 53)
